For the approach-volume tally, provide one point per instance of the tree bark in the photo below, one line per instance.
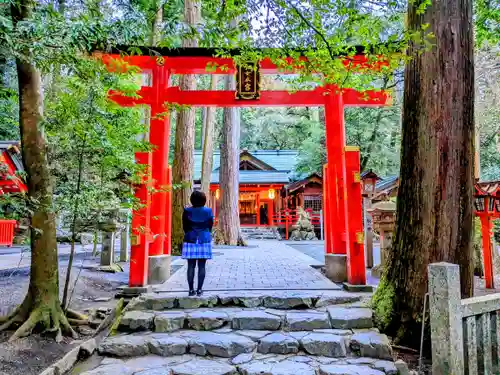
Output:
(41, 306)
(434, 207)
(155, 24)
(182, 170)
(229, 215)
(208, 143)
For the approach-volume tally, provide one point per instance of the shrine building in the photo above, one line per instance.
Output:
(269, 187)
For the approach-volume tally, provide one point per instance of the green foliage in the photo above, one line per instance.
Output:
(14, 206)
(487, 109)
(487, 21)
(91, 142)
(382, 302)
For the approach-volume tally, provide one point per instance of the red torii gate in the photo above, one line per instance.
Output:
(487, 208)
(151, 224)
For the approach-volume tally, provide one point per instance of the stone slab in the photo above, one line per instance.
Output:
(307, 321)
(336, 369)
(281, 368)
(371, 344)
(324, 344)
(186, 302)
(203, 367)
(287, 303)
(124, 346)
(207, 320)
(219, 345)
(165, 345)
(278, 343)
(136, 321)
(350, 318)
(169, 321)
(255, 335)
(334, 331)
(337, 298)
(255, 320)
(241, 358)
(152, 301)
(388, 367)
(110, 369)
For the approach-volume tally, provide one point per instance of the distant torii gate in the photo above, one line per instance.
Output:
(151, 224)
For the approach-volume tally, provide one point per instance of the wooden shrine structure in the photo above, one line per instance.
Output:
(151, 226)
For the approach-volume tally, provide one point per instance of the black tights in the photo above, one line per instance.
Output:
(201, 272)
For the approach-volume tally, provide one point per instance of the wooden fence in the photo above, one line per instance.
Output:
(465, 333)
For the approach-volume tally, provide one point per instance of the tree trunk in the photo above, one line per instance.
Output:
(435, 213)
(208, 143)
(229, 215)
(41, 306)
(155, 36)
(182, 170)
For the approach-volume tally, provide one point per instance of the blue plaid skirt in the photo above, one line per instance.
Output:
(197, 250)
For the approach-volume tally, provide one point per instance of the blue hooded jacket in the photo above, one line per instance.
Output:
(197, 223)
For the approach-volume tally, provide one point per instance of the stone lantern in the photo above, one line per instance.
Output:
(384, 219)
(368, 183)
(108, 228)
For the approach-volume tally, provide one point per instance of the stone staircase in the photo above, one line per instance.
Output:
(248, 333)
(260, 233)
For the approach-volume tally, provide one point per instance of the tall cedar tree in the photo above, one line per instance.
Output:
(208, 142)
(41, 307)
(229, 218)
(182, 171)
(435, 213)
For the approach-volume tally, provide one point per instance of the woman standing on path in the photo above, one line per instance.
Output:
(197, 222)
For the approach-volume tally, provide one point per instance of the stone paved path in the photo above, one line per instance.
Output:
(266, 265)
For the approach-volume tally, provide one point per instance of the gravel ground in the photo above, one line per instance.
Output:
(31, 355)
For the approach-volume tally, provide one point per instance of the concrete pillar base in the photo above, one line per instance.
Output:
(159, 269)
(336, 267)
(358, 288)
(129, 292)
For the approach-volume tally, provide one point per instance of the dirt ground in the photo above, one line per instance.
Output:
(31, 355)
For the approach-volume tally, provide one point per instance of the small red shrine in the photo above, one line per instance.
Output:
(11, 168)
(342, 204)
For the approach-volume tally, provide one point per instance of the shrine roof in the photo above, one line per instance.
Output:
(12, 149)
(210, 52)
(282, 163)
(257, 177)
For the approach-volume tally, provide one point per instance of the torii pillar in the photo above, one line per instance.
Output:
(151, 224)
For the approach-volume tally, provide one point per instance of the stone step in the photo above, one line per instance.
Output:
(203, 319)
(245, 364)
(367, 344)
(271, 299)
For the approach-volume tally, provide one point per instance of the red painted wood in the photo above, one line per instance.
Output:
(140, 228)
(218, 65)
(7, 232)
(486, 229)
(356, 269)
(167, 248)
(159, 137)
(15, 183)
(335, 150)
(207, 98)
(143, 96)
(202, 98)
(326, 212)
